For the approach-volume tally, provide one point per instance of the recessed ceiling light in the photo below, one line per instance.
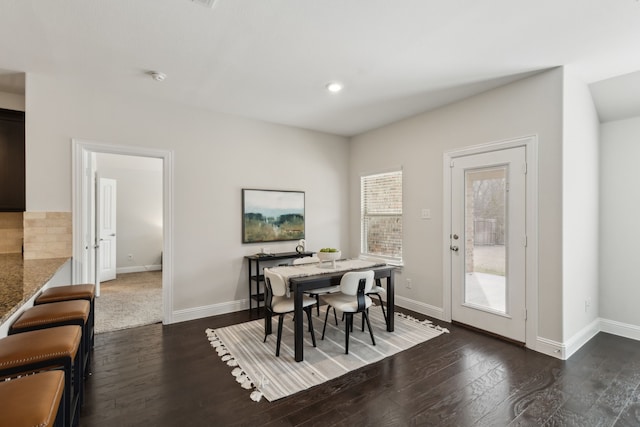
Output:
(334, 87)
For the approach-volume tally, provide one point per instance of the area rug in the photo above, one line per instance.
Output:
(256, 367)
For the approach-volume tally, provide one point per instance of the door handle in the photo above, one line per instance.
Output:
(454, 248)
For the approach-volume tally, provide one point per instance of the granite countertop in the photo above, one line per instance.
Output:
(21, 279)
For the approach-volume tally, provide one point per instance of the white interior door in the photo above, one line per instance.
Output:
(105, 230)
(488, 241)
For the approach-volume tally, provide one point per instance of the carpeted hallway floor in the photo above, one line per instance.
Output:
(133, 299)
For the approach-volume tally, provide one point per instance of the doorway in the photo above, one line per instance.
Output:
(490, 236)
(84, 244)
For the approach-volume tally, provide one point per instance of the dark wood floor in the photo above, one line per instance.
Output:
(169, 376)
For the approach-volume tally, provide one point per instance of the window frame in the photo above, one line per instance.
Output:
(364, 243)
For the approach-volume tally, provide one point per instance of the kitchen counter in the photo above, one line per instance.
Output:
(21, 279)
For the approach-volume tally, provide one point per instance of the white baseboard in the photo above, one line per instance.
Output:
(420, 307)
(543, 345)
(621, 329)
(138, 268)
(232, 306)
(579, 339)
(569, 347)
(550, 348)
(209, 310)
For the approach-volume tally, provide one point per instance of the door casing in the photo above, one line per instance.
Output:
(531, 146)
(82, 170)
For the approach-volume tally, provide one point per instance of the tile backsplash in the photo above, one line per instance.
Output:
(47, 235)
(11, 232)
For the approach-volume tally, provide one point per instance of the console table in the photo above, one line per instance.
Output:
(255, 277)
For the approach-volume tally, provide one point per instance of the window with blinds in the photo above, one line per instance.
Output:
(381, 215)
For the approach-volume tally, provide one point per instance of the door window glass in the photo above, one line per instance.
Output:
(485, 233)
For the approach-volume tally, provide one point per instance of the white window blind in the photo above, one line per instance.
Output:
(381, 215)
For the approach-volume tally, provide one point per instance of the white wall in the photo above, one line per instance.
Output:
(215, 156)
(619, 223)
(580, 188)
(138, 209)
(526, 107)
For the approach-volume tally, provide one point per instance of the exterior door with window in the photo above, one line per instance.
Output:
(488, 241)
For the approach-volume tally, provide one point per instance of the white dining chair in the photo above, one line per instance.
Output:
(351, 299)
(277, 302)
(377, 288)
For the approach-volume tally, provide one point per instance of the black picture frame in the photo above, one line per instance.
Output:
(272, 215)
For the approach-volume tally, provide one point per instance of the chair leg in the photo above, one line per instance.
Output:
(348, 324)
(317, 304)
(366, 317)
(265, 338)
(384, 313)
(313, 334)
(335, 316)
(265, 334)
(279, 334)
(326, 316)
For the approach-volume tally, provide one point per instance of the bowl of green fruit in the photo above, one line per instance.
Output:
(329, 254)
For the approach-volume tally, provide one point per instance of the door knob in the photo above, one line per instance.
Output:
(455, 237)
(453, 248)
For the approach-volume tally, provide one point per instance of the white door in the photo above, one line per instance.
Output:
(488, 241)
(105, 230)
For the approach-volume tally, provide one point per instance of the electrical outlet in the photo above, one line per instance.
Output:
(130, 257)
(408, 284)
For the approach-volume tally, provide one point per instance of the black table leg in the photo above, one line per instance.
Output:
(390, 302)
(298, 328)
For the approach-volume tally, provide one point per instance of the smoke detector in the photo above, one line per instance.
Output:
(158, 76)
(206, 3)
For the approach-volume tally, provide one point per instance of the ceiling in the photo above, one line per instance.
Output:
(270, 60)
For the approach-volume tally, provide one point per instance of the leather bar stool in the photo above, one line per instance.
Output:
(71, 292)
(44, 350)
(33, 400)
(62, 313)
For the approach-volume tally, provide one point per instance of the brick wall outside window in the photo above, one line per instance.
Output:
(381, 215)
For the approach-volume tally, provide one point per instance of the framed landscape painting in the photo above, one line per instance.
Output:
(272, 215)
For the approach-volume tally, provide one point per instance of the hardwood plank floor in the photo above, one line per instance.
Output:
(170, 376)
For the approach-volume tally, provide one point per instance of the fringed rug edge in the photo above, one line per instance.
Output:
(247, 383)
(241, 376)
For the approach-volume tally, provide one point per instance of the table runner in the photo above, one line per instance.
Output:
(304, 270)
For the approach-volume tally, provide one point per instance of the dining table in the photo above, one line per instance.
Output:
(306, 277)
